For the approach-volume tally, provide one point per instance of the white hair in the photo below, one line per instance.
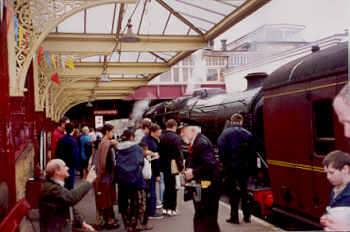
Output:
(52, 166)
(196, 129)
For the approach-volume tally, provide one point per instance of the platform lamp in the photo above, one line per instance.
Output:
(129, 36)
(104, 77)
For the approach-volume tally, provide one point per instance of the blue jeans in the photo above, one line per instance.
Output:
(151, 198)
(161, 187)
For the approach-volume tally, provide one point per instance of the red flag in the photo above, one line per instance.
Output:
(55, 78)
(40, 54)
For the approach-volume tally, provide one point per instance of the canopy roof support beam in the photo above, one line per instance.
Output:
(103, 44)
(94, 69)
(243, 11)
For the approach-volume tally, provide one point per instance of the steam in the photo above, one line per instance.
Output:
(139, 109)
(120, 125)
(199, 73)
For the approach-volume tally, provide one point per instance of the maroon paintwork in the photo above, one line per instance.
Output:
(19, 123)
(289, 138)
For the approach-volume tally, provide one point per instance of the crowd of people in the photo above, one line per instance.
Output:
(148, 164)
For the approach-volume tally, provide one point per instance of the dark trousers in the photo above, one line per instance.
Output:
(169, 198)
(131, 206)
(237, 190)
(69, 182)
(206, 211)
(152, 198)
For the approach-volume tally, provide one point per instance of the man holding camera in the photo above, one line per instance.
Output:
(203, 169)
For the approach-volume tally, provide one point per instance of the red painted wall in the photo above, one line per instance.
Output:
(7, 158)
(19, 123)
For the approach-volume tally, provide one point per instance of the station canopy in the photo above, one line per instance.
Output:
(115, 45)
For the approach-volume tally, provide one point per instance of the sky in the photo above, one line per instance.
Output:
(321, 18)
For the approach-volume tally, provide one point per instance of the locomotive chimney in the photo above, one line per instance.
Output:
(255, 80)
(315, 48)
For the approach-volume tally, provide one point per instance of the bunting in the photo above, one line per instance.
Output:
(48, 59)
(20, 35)
(53, 61)
(55, 78)
(15, 25)
(40, 54)
(70, 63)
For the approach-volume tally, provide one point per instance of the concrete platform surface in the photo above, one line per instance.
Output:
(183, 221)
(179, 223)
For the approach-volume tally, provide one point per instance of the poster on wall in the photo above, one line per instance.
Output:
(98, 121)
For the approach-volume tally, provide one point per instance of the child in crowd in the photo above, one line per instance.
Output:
(337, 167)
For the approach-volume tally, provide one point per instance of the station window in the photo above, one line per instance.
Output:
(176, 74)
(324, 140)
(212, 75)
(165, 77)
(186, 73)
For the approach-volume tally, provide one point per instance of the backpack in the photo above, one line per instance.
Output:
(129, 167)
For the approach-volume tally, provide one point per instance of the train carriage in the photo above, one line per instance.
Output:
(301, 128)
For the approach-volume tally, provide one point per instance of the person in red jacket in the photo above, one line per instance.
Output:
(57, 135)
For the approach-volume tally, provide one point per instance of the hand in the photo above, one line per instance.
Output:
(158, 179)
(324, 220)
(188, 174)
(332, 224)
(87, 227)
(91, 175)
(114, 142)
(155, 155)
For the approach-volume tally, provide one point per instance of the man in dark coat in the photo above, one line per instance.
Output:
(68, 150)
(55, 200)
(237, 153)
(170, 151)
(204, 169)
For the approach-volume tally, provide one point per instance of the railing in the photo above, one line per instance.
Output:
(13, 219)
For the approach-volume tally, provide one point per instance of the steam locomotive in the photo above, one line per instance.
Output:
(291, 112)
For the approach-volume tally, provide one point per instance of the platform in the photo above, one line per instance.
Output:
(182, 222)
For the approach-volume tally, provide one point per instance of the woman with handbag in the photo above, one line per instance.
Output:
(171, 164)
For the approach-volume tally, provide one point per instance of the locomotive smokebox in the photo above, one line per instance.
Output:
(255, 80)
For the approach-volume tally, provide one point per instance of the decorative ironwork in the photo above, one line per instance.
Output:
(37, 18)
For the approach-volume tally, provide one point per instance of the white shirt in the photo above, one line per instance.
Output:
(60, 182)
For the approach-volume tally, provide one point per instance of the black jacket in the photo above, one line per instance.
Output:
(237, 150)
(68, 150)
(202, 160)
(54, 204)
(170, 147)
(153, 145)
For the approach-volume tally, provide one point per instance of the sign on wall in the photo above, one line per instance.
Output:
(105, 112)
(98, 121)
